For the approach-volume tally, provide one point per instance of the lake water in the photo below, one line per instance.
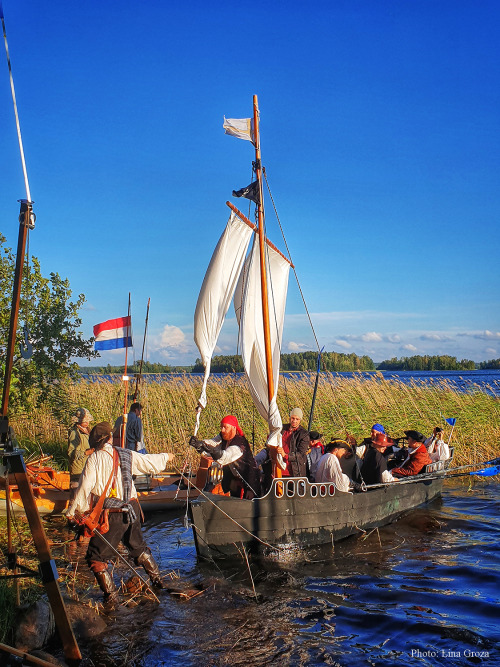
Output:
(423, 591)
(487, 381)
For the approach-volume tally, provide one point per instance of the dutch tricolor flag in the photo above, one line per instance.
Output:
(113, 334)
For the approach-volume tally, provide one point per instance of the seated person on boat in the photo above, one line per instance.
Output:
(329, 469)
(230, 449)
(314, 454)
(295, 443)
(351, 463)
(374, 468)
(417, 457)
(366, 442)
(437, 448)
(107, 484)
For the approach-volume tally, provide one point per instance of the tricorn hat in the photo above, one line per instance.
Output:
(314, 435)
(416, 435)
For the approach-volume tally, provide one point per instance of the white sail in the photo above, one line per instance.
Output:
(217, 291)
(248, 308)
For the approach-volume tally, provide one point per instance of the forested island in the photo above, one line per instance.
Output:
(443, 362)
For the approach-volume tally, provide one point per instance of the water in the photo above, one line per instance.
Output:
(422, 591)
(487, 381)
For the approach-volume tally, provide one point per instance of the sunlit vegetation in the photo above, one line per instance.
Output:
(343, 405)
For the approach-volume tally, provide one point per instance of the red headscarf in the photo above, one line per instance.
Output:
(232, 421)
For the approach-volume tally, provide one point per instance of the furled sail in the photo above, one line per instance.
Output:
(217, 291)
(248, 308)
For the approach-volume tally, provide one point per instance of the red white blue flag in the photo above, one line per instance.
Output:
(113, 334)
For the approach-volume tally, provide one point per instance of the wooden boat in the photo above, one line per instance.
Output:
(298, 513)
(51, 491)
(294, 511)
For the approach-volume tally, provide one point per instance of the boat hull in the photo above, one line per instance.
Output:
(296, 512)
(52, 495)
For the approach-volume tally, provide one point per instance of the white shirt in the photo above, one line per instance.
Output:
(439, 451)
(229, 455)
(98, 469)
(329, 470)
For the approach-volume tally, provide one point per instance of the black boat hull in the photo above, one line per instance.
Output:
(296, 512)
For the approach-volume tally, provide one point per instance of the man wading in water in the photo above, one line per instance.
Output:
(108, 473)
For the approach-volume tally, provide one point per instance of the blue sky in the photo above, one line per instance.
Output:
(380, 136)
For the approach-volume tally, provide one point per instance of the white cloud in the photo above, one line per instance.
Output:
(297, 347)
(343, 343)
(393, 338)
(371, 337)
(409, 347)
(170, 342)
(491, 350)
(435, 337)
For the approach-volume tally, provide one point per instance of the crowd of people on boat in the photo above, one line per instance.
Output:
(378, 459)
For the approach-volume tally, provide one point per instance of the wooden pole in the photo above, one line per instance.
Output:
(139, 376)
(261, 233)
(125, 380)
(263, 275)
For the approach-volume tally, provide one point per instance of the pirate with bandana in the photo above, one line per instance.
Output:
(231, 450)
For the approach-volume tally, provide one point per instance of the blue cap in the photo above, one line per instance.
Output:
(378, 427)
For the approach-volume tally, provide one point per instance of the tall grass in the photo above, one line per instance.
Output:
(343, 405)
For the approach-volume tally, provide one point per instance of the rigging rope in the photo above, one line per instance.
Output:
(18, 126)
(290, 257)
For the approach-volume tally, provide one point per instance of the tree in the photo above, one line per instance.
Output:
(53, 323)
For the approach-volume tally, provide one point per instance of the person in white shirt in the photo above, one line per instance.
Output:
(329, 469)
(437, 448)
(109, 471)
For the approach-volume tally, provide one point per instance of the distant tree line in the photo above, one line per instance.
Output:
(147, 367)
(296, 361)
(492, 363)
(427, 363)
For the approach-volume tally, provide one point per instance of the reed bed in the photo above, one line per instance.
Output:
(343, 405)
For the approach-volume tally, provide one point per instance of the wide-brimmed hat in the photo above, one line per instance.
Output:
(100, 434)
(314, 435)
(415, 435)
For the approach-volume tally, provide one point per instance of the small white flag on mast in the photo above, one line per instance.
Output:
(242, 128)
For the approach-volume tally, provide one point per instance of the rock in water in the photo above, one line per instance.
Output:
(35, 626)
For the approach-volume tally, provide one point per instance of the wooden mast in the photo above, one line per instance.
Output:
(263, 276)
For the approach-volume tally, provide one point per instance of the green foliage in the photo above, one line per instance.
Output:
(492, 363)
(54, 332)
(296, 361)
(427, 363)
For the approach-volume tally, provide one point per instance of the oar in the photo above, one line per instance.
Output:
(94, 531)
(318, 365)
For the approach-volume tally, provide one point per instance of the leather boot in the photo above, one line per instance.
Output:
(107, 585)
(149, 564)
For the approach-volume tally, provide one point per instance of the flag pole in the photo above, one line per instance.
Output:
(125, 380)
(263, 276)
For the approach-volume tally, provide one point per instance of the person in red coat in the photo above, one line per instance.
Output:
(417, 457)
